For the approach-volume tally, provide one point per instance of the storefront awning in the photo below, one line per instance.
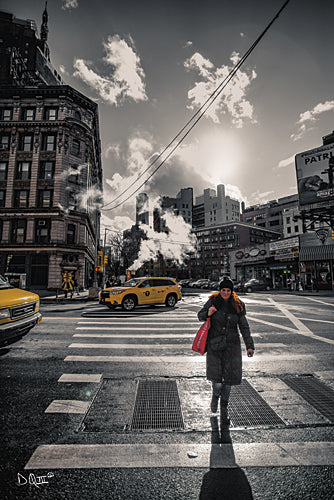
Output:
(323, 252)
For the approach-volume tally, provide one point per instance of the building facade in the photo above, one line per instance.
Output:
(50, 164)
(214, 207)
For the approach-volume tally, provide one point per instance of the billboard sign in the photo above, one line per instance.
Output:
(315, 173)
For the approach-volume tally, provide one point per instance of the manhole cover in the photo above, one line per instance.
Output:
(246, 407)
(157, 406)
(317, 394)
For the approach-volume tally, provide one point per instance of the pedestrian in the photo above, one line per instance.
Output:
(76, 286)
(223, 361)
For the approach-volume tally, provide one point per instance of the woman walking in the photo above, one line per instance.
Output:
(223, 362)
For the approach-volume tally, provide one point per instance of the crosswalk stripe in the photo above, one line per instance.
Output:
(195, 323)
(136, 328)
(79, 345)
(80, 377)
(67, 406)
(143, 335)
(92, 456)
(191, 358)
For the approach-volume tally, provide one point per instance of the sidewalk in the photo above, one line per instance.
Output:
(47, 296)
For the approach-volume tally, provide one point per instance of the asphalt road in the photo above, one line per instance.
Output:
(69, 388)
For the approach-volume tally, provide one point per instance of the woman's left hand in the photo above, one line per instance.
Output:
(250, 353)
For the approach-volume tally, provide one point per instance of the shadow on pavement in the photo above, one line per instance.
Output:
(228, 483)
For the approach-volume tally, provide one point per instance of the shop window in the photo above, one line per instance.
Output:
(4, 142)
(6, 114)
(21, 198)
(2, 198)
(49, 142)
(70, 236)
(47, 170)
(25, 142)
(42, 230)
(23, 170)
(3, 170)
(19, 230)
(45, 198)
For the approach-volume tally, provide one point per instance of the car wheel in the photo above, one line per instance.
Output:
(249, 289)
(128, 303)
(170, 301)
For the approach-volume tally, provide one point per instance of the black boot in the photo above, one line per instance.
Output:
(214, 403)
(224, 418)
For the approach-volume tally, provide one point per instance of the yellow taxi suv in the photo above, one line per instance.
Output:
(142, 291)
(19, 312)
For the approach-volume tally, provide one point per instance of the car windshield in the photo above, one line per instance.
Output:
(133, 282)
(4, 283)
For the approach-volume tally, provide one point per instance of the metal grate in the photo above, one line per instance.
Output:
(246, 407)
(317, 394)
(157, 406)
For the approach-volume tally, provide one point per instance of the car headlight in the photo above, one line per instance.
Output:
(37, 305)
(4, 313)
(116, 292)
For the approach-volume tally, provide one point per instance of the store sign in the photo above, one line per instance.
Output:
(254, 252)
(284, 249)
(239, 254)
(315, 174)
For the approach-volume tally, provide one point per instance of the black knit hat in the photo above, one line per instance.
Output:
(226, 283)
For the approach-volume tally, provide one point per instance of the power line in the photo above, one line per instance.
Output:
(199, 114)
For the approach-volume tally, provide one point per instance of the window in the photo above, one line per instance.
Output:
(74, 175)
(0, 230)
(2, 197)
(49, 142)
(4, 142)
(75, 149)
(77, 115)
(28, 114)
(42, 231)
(296, 229)
(288, 230)
(3, 170)
(70, 236)
(72, 201)
(51, 114)
(45, 198)
(23, 170)
(288, 220)
(6, 114)
(47, 170)
(19, 230)
(21, 198)
(25, 142)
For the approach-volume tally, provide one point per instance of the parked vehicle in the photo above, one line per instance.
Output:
(184, 282)
(142, 291)
(199, 283)
(19, 312)
(254, 285)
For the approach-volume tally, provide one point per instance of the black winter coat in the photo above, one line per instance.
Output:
(223, 360)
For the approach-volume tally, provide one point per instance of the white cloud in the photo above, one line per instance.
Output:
(232, 99)
(70, 4)
(311, 116)
(127, 78)
(62, 70)
(287, 162)
(260, 198)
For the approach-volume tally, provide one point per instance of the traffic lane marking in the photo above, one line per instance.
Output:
(191, 358)
(301, 328)
(320, 301)
(79, 345)
(81, 377)
(147, 336)
(68, 406)
(92, 456)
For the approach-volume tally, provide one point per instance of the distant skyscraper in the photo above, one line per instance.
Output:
(212, 208)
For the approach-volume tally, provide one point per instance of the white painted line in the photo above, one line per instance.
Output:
(130, 346)
(67, 406)
(275, 325)
(301, 328)
(80, 377)
(191, 358)
(114, 323)
(320, 301)
(318, 320)
(92, 456)
(78, 345)
(142, 335)
(136, 328)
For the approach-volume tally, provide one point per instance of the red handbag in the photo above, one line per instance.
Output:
(199, 344)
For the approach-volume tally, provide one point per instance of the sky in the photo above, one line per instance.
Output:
(151, 65)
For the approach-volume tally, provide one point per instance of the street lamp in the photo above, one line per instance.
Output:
(104, 250)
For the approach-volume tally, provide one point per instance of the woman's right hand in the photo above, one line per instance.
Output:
(211, 310)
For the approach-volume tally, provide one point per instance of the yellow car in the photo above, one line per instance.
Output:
(142, 291)
(19, 312)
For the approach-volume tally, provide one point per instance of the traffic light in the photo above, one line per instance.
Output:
(106, 259)
(332, 235)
